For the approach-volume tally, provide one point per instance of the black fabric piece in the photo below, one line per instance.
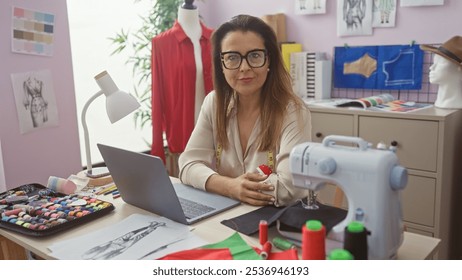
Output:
(248, 223)
(296, 216)
(291, 218)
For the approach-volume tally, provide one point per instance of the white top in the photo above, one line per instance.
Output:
(448, 76)
(197, 162)
(190, 23)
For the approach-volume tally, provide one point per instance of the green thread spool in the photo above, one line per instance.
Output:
(340, 254)
(282, 244)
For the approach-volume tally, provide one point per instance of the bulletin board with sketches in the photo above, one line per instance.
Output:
(360, 18)
(38, 127)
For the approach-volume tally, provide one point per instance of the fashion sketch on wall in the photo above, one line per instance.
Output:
(35, 100)
(354, 17)
(384, 13)
(307, 7)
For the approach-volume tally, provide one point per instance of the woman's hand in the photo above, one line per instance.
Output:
(250, 188)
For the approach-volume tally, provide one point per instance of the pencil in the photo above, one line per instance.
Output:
(108, 189)
(111, 191)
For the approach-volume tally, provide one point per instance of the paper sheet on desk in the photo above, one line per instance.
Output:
(135, 237)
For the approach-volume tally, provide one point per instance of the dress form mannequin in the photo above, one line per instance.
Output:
(448, 77)
(188, 18)
(180, 71)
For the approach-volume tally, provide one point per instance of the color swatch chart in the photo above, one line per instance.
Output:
(32, 32)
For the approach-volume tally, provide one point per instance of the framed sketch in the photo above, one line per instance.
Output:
(384, 13)
(35, 100)
(354, 17)
(309, 7)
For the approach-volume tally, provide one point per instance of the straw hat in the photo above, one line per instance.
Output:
(452, 49)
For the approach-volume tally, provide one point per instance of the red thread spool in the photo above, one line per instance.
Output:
(263, 232)
(264, 169)
(313, 241)
(266, 250)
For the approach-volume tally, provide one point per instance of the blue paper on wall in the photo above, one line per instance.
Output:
(379, 67)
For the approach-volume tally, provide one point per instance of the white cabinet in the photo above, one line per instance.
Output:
(428, 144)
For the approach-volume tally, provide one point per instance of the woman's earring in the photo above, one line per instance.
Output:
(267, 70)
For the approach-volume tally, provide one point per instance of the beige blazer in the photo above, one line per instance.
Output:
(198, 162)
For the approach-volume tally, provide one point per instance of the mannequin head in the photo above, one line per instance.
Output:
(446, 72)
(443, 71)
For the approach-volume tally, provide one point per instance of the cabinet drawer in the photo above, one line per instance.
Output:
(418, 200)
(329, 124)
(418, 231)
(417, 140)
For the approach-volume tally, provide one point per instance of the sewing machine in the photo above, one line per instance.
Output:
(371, 180)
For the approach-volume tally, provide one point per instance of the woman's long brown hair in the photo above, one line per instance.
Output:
(277, 90)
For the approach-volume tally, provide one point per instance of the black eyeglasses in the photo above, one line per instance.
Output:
(233, 60)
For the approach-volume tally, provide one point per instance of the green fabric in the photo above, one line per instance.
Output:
(240, 250)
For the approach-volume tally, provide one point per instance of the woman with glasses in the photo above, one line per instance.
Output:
(252, 118)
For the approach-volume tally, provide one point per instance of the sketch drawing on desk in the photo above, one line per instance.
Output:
(132, 238)
(119, 245)
(35, 100)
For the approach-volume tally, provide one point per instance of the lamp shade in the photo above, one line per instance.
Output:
(118, 103)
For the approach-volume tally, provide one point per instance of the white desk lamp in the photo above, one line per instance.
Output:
(118, 105)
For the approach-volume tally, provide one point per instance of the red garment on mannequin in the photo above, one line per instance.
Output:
(173, 86)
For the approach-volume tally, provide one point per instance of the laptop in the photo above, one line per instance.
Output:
(143, 181)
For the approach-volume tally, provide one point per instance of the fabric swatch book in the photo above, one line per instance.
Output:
(383, 102)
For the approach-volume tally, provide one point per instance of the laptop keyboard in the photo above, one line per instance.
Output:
(194, 209)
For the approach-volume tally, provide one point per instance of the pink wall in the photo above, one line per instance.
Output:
(425, 25)
(36, 155)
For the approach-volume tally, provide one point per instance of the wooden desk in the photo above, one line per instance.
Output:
(415, 246)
